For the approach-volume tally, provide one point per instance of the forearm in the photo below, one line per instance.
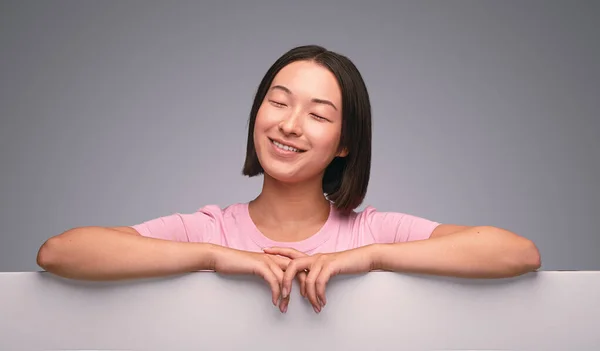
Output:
(96, 253)
(479, 252)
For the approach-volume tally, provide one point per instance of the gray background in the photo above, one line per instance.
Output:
(485, 112)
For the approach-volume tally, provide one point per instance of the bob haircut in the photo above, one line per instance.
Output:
(346, 179)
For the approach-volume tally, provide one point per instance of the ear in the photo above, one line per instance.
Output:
(343, 153)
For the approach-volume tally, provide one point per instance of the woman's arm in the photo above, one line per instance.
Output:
(472, 252)
(101, 253)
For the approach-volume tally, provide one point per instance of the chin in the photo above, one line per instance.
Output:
(282, 173)
(287, 168)
(292, 175)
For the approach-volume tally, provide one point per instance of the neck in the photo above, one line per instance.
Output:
(289, 204)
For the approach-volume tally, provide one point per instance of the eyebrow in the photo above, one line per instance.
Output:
(315, 100)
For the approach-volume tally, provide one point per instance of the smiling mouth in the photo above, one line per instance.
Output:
(286, 147)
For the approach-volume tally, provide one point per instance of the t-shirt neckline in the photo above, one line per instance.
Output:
(308, 244)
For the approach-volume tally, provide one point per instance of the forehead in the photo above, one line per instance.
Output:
(309, 79)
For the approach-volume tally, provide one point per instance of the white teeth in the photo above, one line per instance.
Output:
(285, 147)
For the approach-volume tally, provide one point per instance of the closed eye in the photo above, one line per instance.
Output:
(277, 104)
(319, 118)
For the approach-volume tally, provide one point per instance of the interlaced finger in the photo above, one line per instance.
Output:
(302, 281)
(267, 273)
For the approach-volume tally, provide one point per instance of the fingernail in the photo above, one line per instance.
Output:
(316, 309)
(284, 293)
(285, 309)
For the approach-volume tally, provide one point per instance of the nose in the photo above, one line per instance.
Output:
(291, 124)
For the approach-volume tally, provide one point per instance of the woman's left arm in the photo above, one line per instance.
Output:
(460, 251)
(451, 250)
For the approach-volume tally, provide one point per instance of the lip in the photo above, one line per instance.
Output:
(288, 144)
(283, 153)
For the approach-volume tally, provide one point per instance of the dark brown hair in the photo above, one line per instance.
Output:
(346, 179)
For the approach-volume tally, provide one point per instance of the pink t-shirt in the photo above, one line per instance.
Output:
(232, 227)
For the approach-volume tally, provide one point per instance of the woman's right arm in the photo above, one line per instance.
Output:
(113, 253)
(161, 247)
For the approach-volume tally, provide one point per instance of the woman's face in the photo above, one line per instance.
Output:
(298, 125)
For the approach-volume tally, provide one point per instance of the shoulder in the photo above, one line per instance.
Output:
(373, 213)
(198, 225)
(224, 218)
(394, 226)
(216, 212)
(370, 215)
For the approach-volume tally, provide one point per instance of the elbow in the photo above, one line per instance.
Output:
(49, 254)
(533, 257)
(519, 254)
(46, 256)
(528, 257)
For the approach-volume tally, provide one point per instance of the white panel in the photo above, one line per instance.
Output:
(376, 311)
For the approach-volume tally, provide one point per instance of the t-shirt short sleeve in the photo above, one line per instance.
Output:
(199, 226)
(396, 227)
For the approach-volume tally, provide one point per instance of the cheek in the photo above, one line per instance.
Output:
(266, 117)
(261, 125)
(260, 118)
(326, 139)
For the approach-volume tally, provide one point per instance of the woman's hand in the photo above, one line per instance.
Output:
(289, 254)
(321, 267)
(269, 267)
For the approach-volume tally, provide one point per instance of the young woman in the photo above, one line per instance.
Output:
(310, 136)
